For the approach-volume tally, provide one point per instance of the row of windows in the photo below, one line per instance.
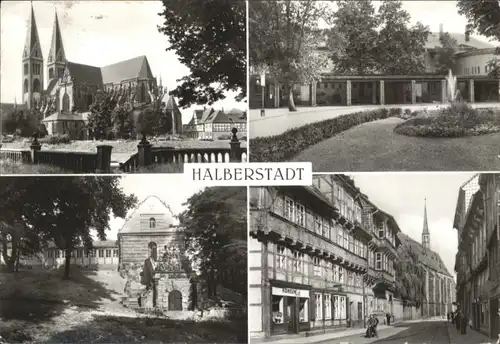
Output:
(296, 212)
(224, 127)
(79, 253)
(477, 70)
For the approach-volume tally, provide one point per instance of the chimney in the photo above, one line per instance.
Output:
(441, 31)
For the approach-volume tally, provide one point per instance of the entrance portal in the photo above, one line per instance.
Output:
(292, 318)
(175, 301)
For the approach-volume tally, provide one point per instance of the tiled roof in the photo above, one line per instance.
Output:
(433, 41)
(428, 258)
(64, 117)
(137, 67)
(85, 73)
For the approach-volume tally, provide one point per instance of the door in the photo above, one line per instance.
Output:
(175, 301)
(360, 311)
(292, 315)
(494, 328)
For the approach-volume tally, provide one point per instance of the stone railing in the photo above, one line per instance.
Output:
(148, 155)
(16, 155)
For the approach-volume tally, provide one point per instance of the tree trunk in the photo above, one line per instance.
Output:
(10, 261)
(67, 262)
(17, 256)
(291, 104)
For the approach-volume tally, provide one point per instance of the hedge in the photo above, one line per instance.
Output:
(285, 146)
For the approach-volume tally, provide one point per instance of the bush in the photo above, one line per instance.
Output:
(11, 167)
(162, 168)
(55, 139)
(457, 120)
(285, 146)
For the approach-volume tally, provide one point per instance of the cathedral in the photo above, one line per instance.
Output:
(73, 87)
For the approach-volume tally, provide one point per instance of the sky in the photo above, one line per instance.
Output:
(402, 195)
(94, 33)
(434, 13)
(170, 188)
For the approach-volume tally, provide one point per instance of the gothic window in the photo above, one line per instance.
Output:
(153, 251)
(152, 223)
(51, 73)
(65, 102)
(25, 69)
(26, 86)
(36, 86)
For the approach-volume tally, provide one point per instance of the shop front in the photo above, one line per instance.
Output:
(290, 310)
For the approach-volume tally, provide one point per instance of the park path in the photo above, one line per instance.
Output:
(375, 147)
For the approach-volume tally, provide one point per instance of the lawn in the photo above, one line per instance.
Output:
(38, 306)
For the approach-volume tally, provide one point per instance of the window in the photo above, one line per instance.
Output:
(278, 309)
(63, 254)
(108, 253)
(289, 208)
(319, 307)
(317, 267)
(351, 243)
(298, 262)
(335, 273)
(333, 231)
(300, 217)
(328, 306)
(381, 232)
(336, 307)
(349, 278)
(280, 257)
(25, 86)
(57, 253)
(346, 240)
(318, 224)
(25, 69)
(115, 253)
(152, 223)
(340, 237)
(342, 307)
(378, 261)
(341, 275)
(326, 229)
(356, 247)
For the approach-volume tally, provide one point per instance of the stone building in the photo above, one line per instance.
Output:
(150, 234)
(477, 219)
(318, 258)
(439, 284)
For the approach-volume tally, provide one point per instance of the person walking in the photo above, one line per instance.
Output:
(457, 319)
(448, 316)
(463, 324)
(388, 317)
(453, 317)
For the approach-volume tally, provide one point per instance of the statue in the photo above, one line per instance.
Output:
(451, 82)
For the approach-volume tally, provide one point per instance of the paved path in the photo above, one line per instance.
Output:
(375, 147)
(278, 121)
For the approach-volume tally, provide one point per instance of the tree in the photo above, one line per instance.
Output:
(101, 118)
(65, 210)
(147, 121)
(373, 42)
(216, 220)
(209, 37)
(409, 279)
(284, 36)
(24, 122)
(483, 17)
(123, 122)
(445, 53)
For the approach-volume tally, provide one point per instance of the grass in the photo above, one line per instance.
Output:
(38, 306)
(11, 167)
(285, 146)
(457, 120)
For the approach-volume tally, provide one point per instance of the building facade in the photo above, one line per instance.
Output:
(477, 220)
(319, 257)
(211, 124)
(470, 67)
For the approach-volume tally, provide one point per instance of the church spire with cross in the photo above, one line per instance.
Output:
(426, 237)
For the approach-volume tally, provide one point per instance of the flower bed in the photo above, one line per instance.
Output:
(456, 120)
(285, 146)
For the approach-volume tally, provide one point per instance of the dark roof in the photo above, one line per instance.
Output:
(428, 258)
(84, 73)
(433, 41)
(137, 67)
(198, 114)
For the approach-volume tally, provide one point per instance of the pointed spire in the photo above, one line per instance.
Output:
(426, 226)
(32, 46)
(56, 53)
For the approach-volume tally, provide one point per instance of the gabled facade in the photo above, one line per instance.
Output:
(211, 124)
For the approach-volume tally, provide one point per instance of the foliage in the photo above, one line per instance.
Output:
(409, 280)
(164, 122)
(459, 119)
(363, 41)
(483, 17)
(11, 167)
(64, 210)
(123, 122)
(285, 146)
(216, 219)
(283, 39)
(147, 121)
(100, 118)
(445, 60)
(56, 139)
(162, 168)
(23, 122)
(209, 37)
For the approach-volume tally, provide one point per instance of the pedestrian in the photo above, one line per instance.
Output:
(369, 326)
(448, 316)
(457, 319)
(388, 316)
(463, 326)
(453, 317)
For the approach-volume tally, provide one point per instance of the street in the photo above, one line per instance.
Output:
(435, 332)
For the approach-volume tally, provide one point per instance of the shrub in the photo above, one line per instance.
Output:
(457, 120)
(55, 139)
(11, 167)
(162, 168)
(285, 146)
(395, 112)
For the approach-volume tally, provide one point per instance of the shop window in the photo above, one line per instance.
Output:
(300, 215)
(303, 310)
(319, 306)
(280, 257)
(278, 310)
(328, 306)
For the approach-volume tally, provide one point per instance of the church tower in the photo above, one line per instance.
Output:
(56, 61)
(32, 65)
(426, 237)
